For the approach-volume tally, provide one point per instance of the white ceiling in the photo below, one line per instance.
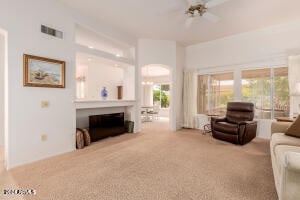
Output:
(93, 40)
(164, 19)
(154, 71)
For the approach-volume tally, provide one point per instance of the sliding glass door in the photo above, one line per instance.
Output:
(267, 88)
(256, 88)
(281, 99)
(214, 91)
(161, 95)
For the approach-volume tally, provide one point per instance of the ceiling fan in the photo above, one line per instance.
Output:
(199, 8)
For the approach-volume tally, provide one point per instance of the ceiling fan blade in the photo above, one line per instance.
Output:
(214, 3)
(188, 22)
(211, 17)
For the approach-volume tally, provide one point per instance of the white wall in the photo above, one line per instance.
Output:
(27, 121)
(1, 90)
(129, 83)
(147, 95)
(180, 64)
(100, 76)
(264, 44)
(156, 52)
(158, 79)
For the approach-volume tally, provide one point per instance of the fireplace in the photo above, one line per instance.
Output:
(102, 126)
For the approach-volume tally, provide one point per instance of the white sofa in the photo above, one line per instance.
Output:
(285, 155)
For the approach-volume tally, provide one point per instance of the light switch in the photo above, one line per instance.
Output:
(44, 104)
(43, 137)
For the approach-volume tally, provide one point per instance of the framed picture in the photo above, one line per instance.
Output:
(43, 72)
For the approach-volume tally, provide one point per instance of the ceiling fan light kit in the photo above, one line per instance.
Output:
(200, 8)
(195, 10)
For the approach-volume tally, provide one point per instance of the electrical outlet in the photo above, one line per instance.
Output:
(44, 104)
(43, 137)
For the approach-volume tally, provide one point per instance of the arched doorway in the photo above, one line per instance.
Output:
(156, 95)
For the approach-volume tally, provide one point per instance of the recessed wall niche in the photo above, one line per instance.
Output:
(97, 41)
(93, 73)
(103, 62)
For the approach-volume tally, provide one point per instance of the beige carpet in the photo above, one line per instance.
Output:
(154, 164)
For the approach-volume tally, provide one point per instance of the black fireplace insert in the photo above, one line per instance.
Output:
(102, 126)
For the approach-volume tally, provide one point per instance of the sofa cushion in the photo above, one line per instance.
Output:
(282, 139)
(280, 154)
(294, 129)
(280, 127)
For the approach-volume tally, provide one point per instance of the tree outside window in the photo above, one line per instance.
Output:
(258, 86)
(161, 95)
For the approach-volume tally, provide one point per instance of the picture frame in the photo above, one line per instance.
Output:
(43, 72)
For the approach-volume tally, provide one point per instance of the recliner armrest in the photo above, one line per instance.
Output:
(218, 119)
(247, 122)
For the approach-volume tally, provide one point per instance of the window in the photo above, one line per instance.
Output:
(202, 102)
(268, 89)
(221, 92)
(214, 91)
(161, 95)
(281, 100)
(256, 88)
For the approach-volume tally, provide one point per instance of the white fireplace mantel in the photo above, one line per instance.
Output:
(94, 103)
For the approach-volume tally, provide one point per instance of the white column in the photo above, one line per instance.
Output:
(237, 86)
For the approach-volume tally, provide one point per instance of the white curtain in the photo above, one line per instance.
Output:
(294, 80)
(189, 98)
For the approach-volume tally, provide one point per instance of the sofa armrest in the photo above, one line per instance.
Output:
(292, 161)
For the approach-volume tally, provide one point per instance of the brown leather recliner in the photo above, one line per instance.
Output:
(238, 126)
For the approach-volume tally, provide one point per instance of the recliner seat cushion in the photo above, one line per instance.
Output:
(226, 127)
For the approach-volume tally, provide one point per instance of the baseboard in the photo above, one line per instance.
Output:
(179, 125)
(11, 166)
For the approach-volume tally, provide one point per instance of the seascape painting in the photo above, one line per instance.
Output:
(43, 72)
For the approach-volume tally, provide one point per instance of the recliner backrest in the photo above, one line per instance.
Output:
(239, 111)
